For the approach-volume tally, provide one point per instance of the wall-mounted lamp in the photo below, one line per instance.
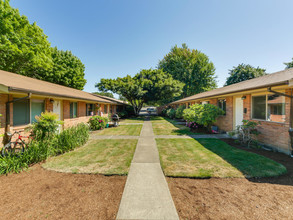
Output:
(52, 101)
(243, 97)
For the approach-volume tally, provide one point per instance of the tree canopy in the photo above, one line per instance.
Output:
(289, 64)
(148, 86)
(244, 72)
(191, 67)
(67, 70)
(23, 46)
(25, 50)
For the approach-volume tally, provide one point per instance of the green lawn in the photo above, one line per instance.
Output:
(133, 120)
(165, 126)
(203, 158)
(98, 156)
(132, 130)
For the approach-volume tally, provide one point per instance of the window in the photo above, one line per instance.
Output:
(21, 112)
(259, 107)
(269, 107)
(276, 108)
(222, 105)
(73, 109)
(89, 109)
(205, 102)
(105, 109)
(37, 107)
(111, 109)
(25, 111)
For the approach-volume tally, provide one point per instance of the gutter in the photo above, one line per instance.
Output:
(13, 89)
(224, 93)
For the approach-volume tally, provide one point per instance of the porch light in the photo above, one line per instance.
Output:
(243, 97)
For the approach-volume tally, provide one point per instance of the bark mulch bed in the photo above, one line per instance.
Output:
(42, 194)
(236, 198)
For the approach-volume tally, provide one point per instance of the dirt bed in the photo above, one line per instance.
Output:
(236, 198)
(42, 194)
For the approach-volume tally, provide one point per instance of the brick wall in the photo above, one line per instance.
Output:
(75, 121)
(225, 122)
(48, 105)
(272, 133)
(66, 109)
(81, 109)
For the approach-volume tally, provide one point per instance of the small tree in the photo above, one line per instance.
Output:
(248, 132)
(204, 115)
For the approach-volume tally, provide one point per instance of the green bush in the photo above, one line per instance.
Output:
(40, 150)
(179, 111)
(97, 122)
(171, 113)
(46, 126)
(204, 115)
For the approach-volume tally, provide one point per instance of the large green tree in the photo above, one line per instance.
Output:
(191, 67)
(148, 86)
(23, 46)
(289, 64)
(243, 72)
(67, 70)
(25, 49)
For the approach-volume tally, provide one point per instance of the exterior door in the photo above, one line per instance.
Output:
(238, 111)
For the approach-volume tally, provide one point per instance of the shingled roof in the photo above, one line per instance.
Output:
(111, 99)
(274, 79)
(18, 83)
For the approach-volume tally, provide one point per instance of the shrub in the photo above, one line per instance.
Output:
(248, 132)
(204, 115)
(179, 111)
(46, 126)
(171, 113)
(40, 150)
(97, 122)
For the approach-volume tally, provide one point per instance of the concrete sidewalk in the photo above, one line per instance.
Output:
(146, 194)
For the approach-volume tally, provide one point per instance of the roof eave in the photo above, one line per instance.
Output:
(14, 89)
(225, 93)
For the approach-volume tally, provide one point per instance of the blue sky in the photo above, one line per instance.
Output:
(118, 37)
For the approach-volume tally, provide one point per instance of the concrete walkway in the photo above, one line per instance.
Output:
(146, 194)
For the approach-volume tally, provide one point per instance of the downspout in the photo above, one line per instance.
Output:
(7, 125)
(291, 124)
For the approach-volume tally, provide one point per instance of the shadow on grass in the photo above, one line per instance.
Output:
(250, 164)
(285, 160)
